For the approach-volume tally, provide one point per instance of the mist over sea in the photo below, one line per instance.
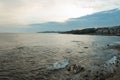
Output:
(26, 56)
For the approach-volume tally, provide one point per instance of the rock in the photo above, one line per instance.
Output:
(108, 45)
(85, 47)
(20, 47)
(75, 68)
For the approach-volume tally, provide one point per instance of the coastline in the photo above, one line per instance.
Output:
(108, 31)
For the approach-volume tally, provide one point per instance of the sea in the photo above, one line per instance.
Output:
(24, 55)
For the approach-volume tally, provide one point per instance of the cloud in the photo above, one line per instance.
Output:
(24, 12)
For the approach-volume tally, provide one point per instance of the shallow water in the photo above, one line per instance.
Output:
(23, 56)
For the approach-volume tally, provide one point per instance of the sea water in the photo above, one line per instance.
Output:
(22, 54)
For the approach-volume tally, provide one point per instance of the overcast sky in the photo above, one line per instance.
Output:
(19, 13)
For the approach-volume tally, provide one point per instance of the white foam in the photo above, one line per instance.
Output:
(59, 65)
(115, 44)
(111, 64)
(112, 60)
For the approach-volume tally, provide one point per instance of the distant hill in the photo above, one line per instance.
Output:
(115, 30)
(50, 32)
(99, 19)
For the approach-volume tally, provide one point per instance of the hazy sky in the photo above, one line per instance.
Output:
(19, 13)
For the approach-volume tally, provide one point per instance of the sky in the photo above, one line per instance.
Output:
(16, 15)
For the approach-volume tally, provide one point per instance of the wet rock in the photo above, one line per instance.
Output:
(75, 68)
(85, 47)
(20, 47)
(108, 45)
